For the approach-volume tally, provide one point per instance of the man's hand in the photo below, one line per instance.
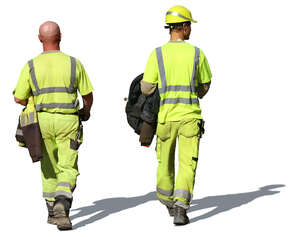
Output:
(84, 115)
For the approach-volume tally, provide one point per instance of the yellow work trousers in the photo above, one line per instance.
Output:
(59, 163)
(188, 134)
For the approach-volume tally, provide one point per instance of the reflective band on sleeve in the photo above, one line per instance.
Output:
(47, 90)
(196, 62)
(167, 193)
(38, 107)
(19, 132)
(31, 118)
(63, 193)
(65, 184)
(183, 193)
(33, 77)
(161, 68)
(188, 101)
(179, 15)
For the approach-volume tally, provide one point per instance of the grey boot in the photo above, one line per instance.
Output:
(180, 217)
(51, 218)
(171, 210)
(61, 210)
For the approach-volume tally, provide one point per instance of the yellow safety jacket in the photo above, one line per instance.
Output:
(178, 68)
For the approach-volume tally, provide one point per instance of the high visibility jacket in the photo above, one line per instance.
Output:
(28, 133)
(178, 68)
(53, 78)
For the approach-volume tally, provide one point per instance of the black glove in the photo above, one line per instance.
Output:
(84, 115)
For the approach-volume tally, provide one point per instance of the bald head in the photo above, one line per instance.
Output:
(49, 32)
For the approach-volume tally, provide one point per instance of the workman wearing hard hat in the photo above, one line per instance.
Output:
(53, 79)
(182, 74)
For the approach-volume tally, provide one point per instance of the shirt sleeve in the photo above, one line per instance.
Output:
(151, 70)
(84, 84)
(23, 90)
(203, 73)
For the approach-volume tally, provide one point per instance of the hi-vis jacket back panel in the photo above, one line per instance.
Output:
(28, 133)
(178, 68)
(53, 78)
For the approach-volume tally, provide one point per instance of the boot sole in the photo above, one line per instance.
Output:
(179, 221)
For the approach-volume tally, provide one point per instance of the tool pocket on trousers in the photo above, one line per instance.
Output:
(75, 143)
(194, 163)
(190, 128)
(163, 131)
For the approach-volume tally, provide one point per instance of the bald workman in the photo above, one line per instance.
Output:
(53, 78)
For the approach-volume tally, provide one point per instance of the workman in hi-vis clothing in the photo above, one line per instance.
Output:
(53, 79)
(182, 74)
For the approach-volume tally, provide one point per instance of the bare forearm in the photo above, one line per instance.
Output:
(21, 102)
(203, 89)
(87, 102)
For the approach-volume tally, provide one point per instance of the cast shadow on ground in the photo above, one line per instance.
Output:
(102, 208)
(227, 202)
(105, 207)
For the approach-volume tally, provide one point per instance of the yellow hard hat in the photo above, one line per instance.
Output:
(178, 14)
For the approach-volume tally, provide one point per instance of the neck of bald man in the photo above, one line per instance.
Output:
(51, 46)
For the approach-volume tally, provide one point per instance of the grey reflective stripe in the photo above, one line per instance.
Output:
(63, 193)
(73, 75)
(23, 120)
(167, 203)
(32, 74)
(177, 14)
(196, 62)
(39, 91)
(19, 132)
(183, 193)
(179, 100)
(177, 88)
(31, 118)
(48, 195)
(50, 90)
(184, 88)
(65, 184)
(38, 107)
(181, 204)
(167, 193)
(161, 68)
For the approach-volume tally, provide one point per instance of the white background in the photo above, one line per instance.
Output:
(251, 112)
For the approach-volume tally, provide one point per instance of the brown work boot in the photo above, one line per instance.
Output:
(61, 213)
(180, 217)
(51, 218)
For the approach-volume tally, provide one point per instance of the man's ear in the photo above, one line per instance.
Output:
(40, 38)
